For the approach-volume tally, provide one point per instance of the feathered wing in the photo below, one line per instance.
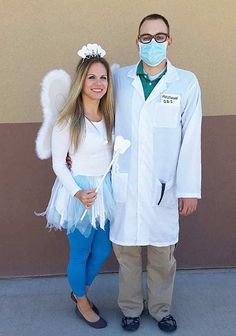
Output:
(55, 88)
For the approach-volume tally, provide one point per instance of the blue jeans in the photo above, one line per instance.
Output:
(87, 255)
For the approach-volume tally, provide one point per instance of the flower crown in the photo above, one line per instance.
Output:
(91, 50)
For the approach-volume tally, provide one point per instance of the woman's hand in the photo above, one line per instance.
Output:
(87, 197)
(68, 161)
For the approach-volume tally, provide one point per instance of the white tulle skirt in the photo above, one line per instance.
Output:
(65, 212)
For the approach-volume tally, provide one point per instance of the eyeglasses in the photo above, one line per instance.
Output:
(147, 38)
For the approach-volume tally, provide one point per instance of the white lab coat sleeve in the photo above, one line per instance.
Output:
(188, 178)
(60, 148)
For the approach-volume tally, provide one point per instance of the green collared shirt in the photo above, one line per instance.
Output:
(148, 85)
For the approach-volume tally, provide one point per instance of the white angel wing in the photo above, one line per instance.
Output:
(55, 88)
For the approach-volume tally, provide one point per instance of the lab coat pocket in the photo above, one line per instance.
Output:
(120, 184)
(164, 194)
(166, 115)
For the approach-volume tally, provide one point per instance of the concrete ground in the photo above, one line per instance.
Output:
(204, 304)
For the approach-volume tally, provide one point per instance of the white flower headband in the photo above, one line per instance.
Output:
(91, 50)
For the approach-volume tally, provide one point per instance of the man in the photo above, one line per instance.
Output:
(158, 108)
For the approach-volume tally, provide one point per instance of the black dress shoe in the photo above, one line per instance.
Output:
(94, 308)
(101, 323)
(167, 324)
(130, 323)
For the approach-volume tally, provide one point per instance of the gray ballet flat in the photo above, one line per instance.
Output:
(101, 323)
(94, 308)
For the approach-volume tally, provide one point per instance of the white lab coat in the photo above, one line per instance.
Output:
(165, 155)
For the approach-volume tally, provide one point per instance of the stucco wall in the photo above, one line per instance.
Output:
(37, 36)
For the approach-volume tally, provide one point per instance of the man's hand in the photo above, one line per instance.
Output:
(187, 206)
(68, 161)
(87, 197)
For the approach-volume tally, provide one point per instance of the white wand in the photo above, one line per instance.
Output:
(120, 146)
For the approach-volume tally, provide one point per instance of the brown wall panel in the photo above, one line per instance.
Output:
(207, 239)
(26, 247)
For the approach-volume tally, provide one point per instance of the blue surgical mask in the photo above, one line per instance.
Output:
(152, 53)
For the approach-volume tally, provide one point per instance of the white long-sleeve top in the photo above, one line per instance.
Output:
(91, 158)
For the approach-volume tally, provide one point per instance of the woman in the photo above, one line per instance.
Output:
(84, 130)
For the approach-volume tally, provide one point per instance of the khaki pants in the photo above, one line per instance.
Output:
(161, 268)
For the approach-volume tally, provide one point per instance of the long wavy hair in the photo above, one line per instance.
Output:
(73, 110)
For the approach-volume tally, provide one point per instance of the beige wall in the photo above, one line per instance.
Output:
(40, 35)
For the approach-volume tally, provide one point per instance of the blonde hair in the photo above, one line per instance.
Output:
(73, 111)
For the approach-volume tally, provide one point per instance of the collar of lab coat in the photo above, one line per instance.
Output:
(170, 76)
